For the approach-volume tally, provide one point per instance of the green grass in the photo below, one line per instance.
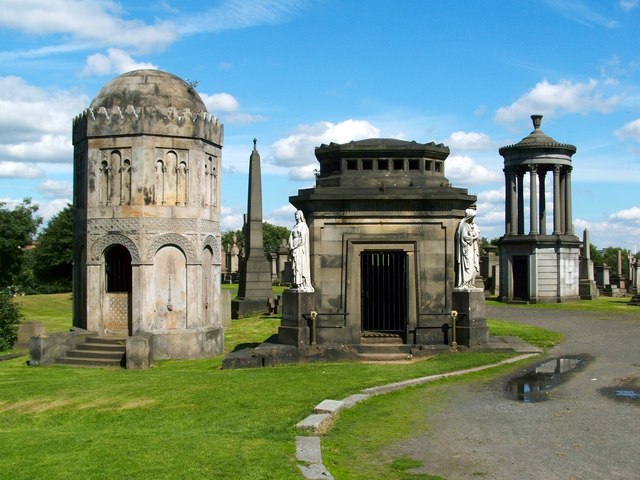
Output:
(190, 419)
(54, 311)
(600, 304)
(361, 444)
(539, 337)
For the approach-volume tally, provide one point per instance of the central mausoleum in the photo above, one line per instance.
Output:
(382, 223)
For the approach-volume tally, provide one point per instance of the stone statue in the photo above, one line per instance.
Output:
(299, 249)
(467, 251)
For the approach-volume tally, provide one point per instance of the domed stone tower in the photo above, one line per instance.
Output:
(147, 158)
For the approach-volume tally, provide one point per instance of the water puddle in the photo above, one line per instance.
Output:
(534, 386)
(627, 390)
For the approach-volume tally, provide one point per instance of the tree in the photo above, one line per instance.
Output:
(10, 318)
(273, 236)
(18, 227)
(53, 257)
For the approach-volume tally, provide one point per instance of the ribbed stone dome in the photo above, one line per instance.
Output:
(149, 88)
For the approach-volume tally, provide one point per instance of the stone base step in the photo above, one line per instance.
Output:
(88, 362)
(384, 357)
(381, 338)
(384, 348)
(96, 351)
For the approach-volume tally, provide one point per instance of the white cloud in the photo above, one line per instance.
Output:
(628, 5)
(94, 22)
(234, 14)
(19, 170)
(28, 112)
(559, 98)
(632, 214)
(55, 148)
(580, 12)
(463, 170)
(116, 61)
(56, 189)
(283, 215)
(630, 130)
(220, 102)
(298, 149)
(468, 141)
(51, 208)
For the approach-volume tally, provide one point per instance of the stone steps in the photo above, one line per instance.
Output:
(96, 352)
(384, 352)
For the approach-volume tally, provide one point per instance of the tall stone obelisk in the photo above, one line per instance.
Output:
(254, 289)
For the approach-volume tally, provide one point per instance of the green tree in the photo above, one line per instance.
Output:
(10, 318)
(18, 227)
(273, 236)
(53, 257)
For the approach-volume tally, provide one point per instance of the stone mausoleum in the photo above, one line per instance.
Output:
(539, 263)
(147, 160)
(382, 221)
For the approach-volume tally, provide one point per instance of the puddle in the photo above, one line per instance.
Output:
(534, 386)
(627, 390)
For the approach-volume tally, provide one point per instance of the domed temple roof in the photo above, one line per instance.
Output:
(537, 139)
(149, 88)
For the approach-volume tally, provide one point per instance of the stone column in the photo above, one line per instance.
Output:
(510, 195)
(543, 201)
(520, 177)
(557, 208)
(533, 200)
(568, 217)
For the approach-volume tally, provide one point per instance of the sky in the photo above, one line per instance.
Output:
(298, 73)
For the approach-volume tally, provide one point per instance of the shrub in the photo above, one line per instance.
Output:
(10, 317)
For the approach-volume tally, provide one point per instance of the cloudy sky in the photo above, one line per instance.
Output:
(298, 73)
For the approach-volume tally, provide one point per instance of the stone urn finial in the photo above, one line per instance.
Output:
(537, 120)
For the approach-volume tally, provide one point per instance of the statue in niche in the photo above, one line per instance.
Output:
(467, 251)
(299, 250)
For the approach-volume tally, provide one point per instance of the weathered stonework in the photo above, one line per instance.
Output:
(382, 211)
(147, 240)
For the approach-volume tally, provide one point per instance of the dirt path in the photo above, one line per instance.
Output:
(578, 433)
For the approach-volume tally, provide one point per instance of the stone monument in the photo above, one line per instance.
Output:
(588, 288)
(538, 266)
(468, 300)
(254, 289)
(147, 242)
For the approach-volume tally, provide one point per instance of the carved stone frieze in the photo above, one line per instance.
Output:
(98, 246)
(179, 241)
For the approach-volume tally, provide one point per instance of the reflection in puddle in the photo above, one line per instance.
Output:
(534, 387)
(627, 390)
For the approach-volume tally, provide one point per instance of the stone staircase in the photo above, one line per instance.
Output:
(383, 348)
(96, 351)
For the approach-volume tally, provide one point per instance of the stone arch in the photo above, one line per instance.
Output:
(214, 243)
(102, 243)
(177, 240)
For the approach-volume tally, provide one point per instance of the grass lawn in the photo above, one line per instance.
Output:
(190, 419)
(600, 304)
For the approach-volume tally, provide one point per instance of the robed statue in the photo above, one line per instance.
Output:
(467, 251)
(299, 250)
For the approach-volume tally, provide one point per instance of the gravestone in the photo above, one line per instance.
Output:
(588, 289)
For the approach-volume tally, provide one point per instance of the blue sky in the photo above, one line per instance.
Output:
(298, 73)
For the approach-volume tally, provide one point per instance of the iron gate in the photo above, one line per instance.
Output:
(384, 291)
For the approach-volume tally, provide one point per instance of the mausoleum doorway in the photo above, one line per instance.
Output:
(117, 304)
(383, 276)
(521, 277)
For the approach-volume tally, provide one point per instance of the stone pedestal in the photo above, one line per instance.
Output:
(138, 351)
(294, 329)
(472, 325)
(26, 330)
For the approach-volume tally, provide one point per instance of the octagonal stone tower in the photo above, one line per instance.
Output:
(147, 158)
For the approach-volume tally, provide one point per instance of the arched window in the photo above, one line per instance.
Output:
(118, 269)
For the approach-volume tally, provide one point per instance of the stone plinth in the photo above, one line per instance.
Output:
(138, 352)
(26, 330)
(472, 325)
(295, 327)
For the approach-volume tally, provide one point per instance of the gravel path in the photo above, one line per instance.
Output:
(578, 433)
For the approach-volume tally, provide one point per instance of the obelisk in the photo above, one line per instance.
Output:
(254, 289)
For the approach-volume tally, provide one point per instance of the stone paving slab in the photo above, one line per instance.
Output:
(329, 406)
(316, 422)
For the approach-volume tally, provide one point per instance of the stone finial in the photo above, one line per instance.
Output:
(537, 120)
(255, 141)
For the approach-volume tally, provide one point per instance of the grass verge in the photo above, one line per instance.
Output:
(540, 337)
(600, 304)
